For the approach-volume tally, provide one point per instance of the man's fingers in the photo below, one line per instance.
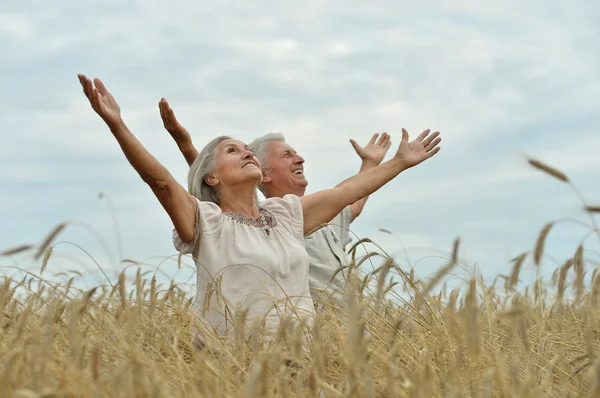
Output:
(96, 99)
(404, 135)
(160, 109)
(386, 141)
(355, 145)
(89, 86)
(80, 77)
(100, 87)
(429, 139)
(171, 114)
(164, 115)
(374, 138)
(84, 83)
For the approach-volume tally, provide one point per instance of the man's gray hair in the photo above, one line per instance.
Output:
(259, 147)
(202, 166)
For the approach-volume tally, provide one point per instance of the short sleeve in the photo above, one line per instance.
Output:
(289, 210)
(342, 224)
(208, 220)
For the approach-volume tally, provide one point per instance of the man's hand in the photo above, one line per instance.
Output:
(103, 103)
(422, 148)
(177, 131)
(374, 152)
(182, 138)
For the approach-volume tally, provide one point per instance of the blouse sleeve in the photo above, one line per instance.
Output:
(289, 211)
(208, 220)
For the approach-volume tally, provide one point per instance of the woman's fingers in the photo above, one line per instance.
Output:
(429, 139)
(433, 144)
(431, 153)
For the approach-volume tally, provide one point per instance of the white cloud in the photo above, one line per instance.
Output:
(499, 80)
(16, 25)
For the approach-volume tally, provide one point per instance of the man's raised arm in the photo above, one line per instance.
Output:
(322, 206)
(372, 155)
(182, 137)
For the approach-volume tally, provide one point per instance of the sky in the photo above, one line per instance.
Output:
(502, 81)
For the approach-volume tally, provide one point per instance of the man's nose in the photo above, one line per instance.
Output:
(299, 159)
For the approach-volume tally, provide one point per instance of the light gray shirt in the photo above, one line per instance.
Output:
(325, 248)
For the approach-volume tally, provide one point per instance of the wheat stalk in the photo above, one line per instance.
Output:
(548, 170)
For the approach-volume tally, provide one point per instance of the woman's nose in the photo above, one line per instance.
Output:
(247, 154)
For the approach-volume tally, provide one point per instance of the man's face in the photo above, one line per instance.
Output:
(284, 173)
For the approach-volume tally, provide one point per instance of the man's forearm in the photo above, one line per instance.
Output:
(357, 207)
(189, 151)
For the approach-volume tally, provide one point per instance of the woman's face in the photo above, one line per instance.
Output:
(235, 164)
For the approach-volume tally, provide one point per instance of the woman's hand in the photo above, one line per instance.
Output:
(101, 100)
(422, 148)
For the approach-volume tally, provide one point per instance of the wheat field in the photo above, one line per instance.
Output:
(392, 336)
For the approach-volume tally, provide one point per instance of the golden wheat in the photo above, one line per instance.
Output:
(139, 337)
(548, 170)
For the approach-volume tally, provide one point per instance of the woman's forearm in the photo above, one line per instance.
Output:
(177, 202)
(323, 206)
(368, 181)
(150, 169)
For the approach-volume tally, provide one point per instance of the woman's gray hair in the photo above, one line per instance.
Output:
(202, 166)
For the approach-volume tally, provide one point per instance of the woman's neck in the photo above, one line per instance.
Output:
(240, 200)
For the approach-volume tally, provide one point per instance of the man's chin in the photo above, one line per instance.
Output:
(301, 187)
(301, 182)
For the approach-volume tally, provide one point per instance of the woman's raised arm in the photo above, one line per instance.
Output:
(320, 207)
(179, 204)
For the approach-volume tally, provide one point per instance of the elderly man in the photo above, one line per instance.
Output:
(283, 173)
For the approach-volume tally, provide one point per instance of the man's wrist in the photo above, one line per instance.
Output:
(368, 164)
(184, 145)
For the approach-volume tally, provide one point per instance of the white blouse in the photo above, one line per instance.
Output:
(260, 265)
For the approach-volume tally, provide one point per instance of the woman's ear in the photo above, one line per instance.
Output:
(211, 180)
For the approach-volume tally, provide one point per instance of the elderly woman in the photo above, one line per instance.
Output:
(248, 256)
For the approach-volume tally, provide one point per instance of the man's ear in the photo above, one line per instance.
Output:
(266, 178)
(211, 180)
